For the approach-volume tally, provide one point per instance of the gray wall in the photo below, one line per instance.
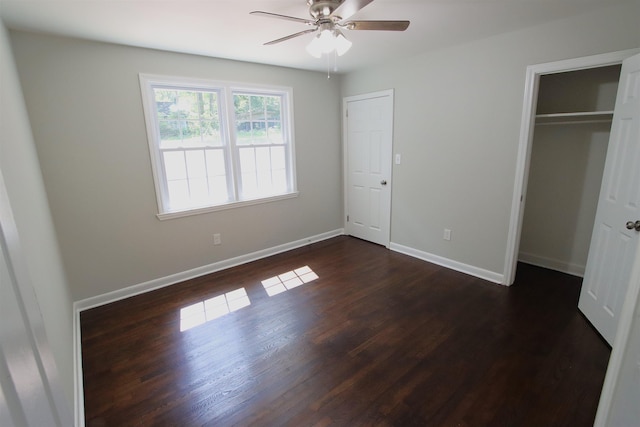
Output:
(457, 123)
(86, 112)
(28, 200)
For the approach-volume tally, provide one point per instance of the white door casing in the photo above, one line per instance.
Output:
(368, 136)
(614, 246)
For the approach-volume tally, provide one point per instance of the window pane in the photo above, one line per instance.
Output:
(196, 178)
(249, 186)
(274, 133)
(242, 107)
(259, 133)
(195, 164)
(257, 107)
(264, 171)
(278, 159)
(258, 119)
(178, 193)
(258, 128)
(174, 165)
(218, 191)
(210, 106)
(215, 163)
(247, 160)
(248, 169)
(279, 169)
(279, 178)
(169, 130)
(263, 160)
(164, 100)
(187, 118)
(273, 107)
(211, 133)
(199, 191)
(216, 172)
(243, 132)
(191, 133)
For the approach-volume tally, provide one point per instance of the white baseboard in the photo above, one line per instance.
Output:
(552, 264)
(162, 282)
(481, 273)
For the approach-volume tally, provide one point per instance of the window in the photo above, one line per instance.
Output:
(217, 145)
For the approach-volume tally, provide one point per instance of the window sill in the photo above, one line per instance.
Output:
(197, 211)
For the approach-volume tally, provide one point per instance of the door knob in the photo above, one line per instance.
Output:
(633, 225)
(384, 182)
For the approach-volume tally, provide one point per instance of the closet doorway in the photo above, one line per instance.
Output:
(568, 153)
(560, 98)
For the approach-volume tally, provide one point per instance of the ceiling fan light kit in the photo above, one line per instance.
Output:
(328, 19)
(328, 41)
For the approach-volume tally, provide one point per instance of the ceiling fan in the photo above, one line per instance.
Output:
(329, 18)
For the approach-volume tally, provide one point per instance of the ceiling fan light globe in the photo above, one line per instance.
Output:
(314, 48)
(327, 41)
(342, 44)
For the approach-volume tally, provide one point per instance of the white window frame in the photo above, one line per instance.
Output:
(226, 91)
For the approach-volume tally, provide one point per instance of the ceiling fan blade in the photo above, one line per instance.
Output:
(312, 30)
(376, 25)
(288, 18)
(349, 7)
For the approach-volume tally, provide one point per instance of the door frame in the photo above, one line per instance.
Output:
(345, 153)
(523, 161)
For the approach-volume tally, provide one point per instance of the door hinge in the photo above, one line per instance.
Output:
(347, 218)
(347, 113)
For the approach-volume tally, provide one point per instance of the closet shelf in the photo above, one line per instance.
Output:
(571, 118)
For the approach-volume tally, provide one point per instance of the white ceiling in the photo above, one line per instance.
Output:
(224, 28)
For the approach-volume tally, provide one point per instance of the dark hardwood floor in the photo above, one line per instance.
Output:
(377, 339)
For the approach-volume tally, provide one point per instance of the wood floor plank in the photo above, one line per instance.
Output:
(378, 338)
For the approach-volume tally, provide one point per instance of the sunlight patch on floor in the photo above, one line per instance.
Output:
(212, 308)
(289, 280)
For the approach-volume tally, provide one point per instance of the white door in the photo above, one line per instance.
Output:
(368, 151)
(621, 390)
(30, 393)
(613, 245)
(625, 410)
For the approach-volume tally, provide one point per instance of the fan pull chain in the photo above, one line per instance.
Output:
(328, 67)
(335, 63)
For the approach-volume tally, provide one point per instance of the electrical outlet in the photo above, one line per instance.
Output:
(398, 158)
(447, 234)
(217, 240)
